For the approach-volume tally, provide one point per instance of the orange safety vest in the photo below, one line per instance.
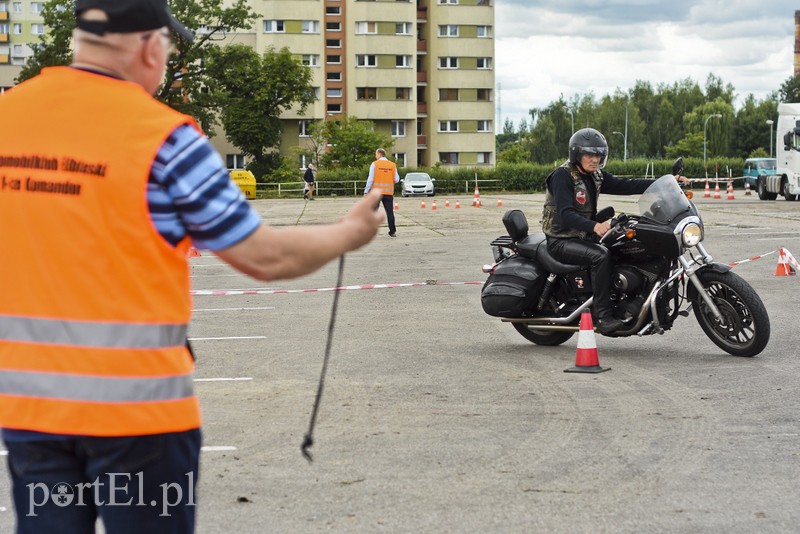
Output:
(383, 179)
(94, 303)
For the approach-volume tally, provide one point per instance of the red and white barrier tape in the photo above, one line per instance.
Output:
(734, 264)
(231, 292)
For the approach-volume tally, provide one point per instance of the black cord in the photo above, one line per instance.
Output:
(308, 440)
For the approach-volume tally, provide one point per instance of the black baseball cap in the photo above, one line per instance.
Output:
(128, 16)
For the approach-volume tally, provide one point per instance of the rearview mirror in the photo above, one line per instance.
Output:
(677, 167)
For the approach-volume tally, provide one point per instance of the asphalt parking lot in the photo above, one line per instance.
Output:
(439, 418)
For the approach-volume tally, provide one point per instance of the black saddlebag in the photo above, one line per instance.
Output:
(513, 289)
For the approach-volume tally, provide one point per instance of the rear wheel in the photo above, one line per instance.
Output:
(762, 191)
(542, 337)
(744, 326)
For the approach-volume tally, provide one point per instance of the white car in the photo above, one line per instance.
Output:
(418, 183)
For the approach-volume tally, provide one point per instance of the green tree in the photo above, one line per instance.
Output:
(53, 48)
(254, 91)
(352, 142)
(790, 90)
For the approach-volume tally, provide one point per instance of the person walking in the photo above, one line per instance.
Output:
(98, 211)
(308, 177)
(382, 177)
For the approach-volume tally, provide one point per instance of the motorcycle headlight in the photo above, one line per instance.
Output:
(692, 234)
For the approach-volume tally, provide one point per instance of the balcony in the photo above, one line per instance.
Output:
(3, 37)
(422, 109)
(422, 46)
(422, 77)
(422, 13)
(5, 59)
(422, 141)
(3, 15)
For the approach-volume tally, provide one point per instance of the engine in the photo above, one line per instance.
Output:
(627, 280)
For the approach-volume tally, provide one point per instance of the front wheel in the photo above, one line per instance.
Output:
(744, 326)
(542, 337)
(762, 191)
(785, 191)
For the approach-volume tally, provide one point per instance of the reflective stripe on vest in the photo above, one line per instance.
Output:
(81, 333)
(383, 179)
(95, 303)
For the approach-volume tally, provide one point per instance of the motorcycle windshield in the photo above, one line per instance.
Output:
(663, 201)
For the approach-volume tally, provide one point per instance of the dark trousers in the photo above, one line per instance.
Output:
(388, 206)
(135, 484)
(579, 252)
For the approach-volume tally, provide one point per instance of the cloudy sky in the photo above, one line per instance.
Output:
(546, 48)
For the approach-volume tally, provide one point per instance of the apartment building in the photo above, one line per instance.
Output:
(422, 71)
(20, 26)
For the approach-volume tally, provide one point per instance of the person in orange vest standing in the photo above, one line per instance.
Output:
(382, 177)
(97, 407)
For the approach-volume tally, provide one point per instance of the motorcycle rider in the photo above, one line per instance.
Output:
(570, 210)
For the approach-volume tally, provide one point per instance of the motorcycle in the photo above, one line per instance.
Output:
(660, 271)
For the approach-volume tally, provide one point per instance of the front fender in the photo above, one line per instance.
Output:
(717, 267)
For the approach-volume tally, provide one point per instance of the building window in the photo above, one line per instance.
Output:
(366, 93)
(334, 108)
(402, 93)
(448, 94)
(17, 29)
(37, 7)
(448, 126)
(3, 9)
(366, 60)
(310, 60)
(333, 59)
(484, 126)
(333, 43)
(366, 28)
(398, 128)
(451, 2)
(235, 161)
(37, 29)
(310, 26)
(448, 158)
(304, 128)
(333, 92)
(484, 95)
(333, 10)
(402, 62)
(402, 28)
(448, 30)
(18, 50)
(484, 63)
(448, 62)
(274, 26)
(484, 157)
(399, 158)
(484, 31)
(334, 76)
(333, 26)
(17, 7)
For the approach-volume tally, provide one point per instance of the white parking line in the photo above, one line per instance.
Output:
(235, 379)
(225, 338)
(233, 309)
(218, 448)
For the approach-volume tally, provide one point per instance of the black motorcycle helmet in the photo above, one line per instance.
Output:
(587, 141)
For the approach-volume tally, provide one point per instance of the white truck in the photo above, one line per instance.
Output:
(787, 180)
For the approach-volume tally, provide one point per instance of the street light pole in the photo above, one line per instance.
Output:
(625, 142)
(705, 123)
(770, 122)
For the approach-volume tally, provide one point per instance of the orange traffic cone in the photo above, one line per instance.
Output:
(784, 268)
(193, 253)
(747, 188)
(477, 203)
(586, 359)
(422, 204)
(716, 191)
(707, 194)
(396, 206)
(458, 204)
(476, 197)
(433, 206)
(730, 191)
(499, 202)
(447, 203)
